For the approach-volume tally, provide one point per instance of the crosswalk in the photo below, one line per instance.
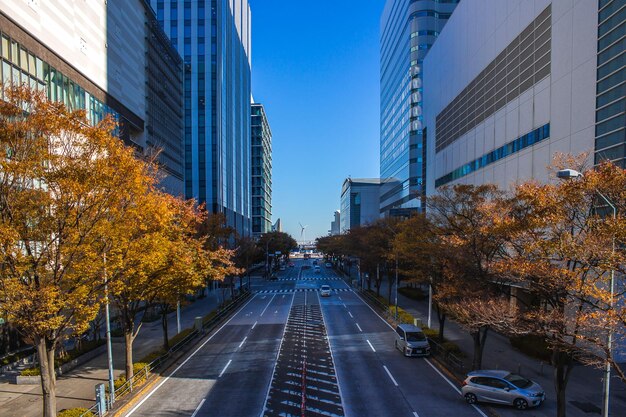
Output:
(292, 290)
(310, 279)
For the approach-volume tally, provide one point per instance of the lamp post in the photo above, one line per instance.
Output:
(267, 257)
(430, 300)
(570, 174)
(396, 301)
(108, 329)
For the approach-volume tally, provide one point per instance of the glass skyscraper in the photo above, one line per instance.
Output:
(407, 31)
(213, 38)
(261, 171)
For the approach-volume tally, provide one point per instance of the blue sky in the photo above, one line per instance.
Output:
(315, 67)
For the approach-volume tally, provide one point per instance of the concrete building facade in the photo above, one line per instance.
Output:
(335, 225)
(508, 85)
(408, 29)
(261, 171)
(106, 58)
(214, 40)
(360, 199)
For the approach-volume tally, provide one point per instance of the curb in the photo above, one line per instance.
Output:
(135, 397)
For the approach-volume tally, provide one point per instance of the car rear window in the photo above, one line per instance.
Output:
(325, 287)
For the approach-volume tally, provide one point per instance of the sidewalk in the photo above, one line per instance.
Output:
(77, 388)
(584, 390)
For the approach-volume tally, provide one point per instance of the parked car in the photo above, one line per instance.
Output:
(502, 387)
(328, 265)
(317, 269)
(411, 341)
(325, 291)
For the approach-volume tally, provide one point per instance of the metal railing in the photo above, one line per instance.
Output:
(144, 373)
(443, 354)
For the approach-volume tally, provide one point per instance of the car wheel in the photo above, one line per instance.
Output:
(471, 398)
(520, 404)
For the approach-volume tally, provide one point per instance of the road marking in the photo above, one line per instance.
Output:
(276, 312)
(340, 298)
(390, 376)
(350, 314)
(368, 342)
(199, 407)
(227, 365)
(344, 304)
(357, 325)
(415, 414)
(268, 304)
(186, 360)
(283, 295)
(243, 341)
(254, 325)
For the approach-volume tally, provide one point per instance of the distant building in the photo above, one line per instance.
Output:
(261, 171)
(278, 226)
(359, 202)
(104, 57)
(335, 225)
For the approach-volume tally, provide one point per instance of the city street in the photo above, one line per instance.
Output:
(235, 373)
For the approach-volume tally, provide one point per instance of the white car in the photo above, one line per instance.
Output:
(325, 291)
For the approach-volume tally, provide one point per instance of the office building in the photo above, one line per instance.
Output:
(105, 58)
(511, 83)
(408, 29)
(261, 171)
(360, 199)
(213, 38)
(277, 226)
(335, 225)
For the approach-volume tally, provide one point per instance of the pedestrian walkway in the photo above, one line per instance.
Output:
(77, 388)
(585, 388)
(293, 290)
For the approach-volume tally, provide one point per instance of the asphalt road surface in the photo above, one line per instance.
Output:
(337, 358)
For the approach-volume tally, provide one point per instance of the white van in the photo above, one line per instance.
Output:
(411, 341)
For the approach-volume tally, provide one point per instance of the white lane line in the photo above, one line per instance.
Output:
(254, 325)
(390, 376)
(199, 407)
(350, 314)
(242, 342)
(276, 312)
(357, 325)
(268, 304)
(344, 304)
(340, 298)
(186, 360)
(226, 367)
(368, 342)
(415, 414)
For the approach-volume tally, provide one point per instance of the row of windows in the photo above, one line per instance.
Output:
(524, 62)
(429, 13)
(510, 148)
(611, 81)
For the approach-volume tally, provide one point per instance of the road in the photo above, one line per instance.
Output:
(289, 352)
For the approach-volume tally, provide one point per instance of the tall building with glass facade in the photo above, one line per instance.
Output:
(105, 58)
(407, 31)
(213, 38)
(261, 171)
(359, 202)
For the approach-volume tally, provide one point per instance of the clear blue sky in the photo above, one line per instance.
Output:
(315, 67)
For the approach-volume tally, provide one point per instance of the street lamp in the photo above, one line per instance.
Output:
(267, 257)
(566, 174)
(108, 329)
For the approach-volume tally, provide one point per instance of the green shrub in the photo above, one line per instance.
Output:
(76, 412)
(208, 317)
(150, 357)
(380, 298)
(453, 348)
(413, 293)
(531, 345)
(180, 336)
(430, 333)
(31, 372)
(403, 316)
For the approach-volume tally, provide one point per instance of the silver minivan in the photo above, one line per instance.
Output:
(411, 341)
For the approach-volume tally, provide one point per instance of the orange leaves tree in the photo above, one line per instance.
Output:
(562, 253)
(63, 184)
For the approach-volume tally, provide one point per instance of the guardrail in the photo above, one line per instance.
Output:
(143, 374)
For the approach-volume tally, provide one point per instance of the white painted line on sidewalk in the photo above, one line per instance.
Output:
(390, 376)
(135, 408)
(226, 367)
(242, 342)
(254, 325)
(268, 304)
(368, 342)
(357, 325)
(350, 314)
(199, 407)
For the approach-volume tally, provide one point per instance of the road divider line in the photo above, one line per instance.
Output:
(415, 414)
(254, 325)
(198, 407)
(350, 314)
(344, 305)
(359, 327)
(226, 367)
(368, 342)
(242, 342)
(135, 408)
(268, 304)
(390, 376)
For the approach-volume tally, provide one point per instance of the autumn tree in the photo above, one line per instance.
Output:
(63, 184)
(562, 253)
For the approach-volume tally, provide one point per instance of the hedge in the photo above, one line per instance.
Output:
(531, 345)
(70, 356)
(413, 293)
(76, 412)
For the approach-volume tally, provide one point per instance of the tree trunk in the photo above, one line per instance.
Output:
(48, 379)
(377, 280)
(390, 280)
(166, 341)
(563, 364)
(128, 339)
(479, 337)
(441, 316)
